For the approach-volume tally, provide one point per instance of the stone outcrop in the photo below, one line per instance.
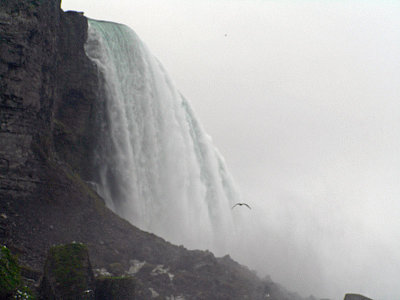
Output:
(355, 297)
(68, 273)
(122, 288)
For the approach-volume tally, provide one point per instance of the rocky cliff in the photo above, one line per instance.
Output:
(48, 95)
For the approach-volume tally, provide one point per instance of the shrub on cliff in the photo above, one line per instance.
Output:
(11, 285)
(10, 273)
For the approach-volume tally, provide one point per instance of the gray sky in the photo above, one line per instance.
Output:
(301, 98)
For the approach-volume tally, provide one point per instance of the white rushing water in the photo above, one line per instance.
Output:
(157, 167)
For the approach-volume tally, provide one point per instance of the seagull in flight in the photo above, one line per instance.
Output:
(240, 204)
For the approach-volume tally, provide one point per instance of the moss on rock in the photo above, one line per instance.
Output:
(67, 273)
(11, 283)
(10, 273)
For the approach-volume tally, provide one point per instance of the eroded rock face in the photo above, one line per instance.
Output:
(76, 112)
(43, 137)
(28, 62)
(47, 88)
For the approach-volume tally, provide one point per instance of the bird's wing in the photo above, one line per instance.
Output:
(247, 205)
(235, 205)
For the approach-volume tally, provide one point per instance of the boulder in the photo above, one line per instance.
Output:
(122, 288)
(355, 297)
(67, 273)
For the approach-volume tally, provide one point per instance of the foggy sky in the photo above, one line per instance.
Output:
(301, 98)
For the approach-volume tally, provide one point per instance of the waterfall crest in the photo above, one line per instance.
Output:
(157, 167)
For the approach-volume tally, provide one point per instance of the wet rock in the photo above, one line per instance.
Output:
(122, 288)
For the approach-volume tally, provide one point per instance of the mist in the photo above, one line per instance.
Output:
(301, 98)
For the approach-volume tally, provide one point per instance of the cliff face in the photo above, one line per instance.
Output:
(48, 96)
(78, 88)
(28, 63)
(48, 87)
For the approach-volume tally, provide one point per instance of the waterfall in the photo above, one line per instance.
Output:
(157, 167)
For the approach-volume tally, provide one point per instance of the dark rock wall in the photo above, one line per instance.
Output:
(28, 60)
(79, 87)
(48, 88)
(28, 71)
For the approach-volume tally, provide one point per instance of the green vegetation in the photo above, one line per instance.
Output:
(69, 271)
(10, 273)
(11, 285)
(24, 293)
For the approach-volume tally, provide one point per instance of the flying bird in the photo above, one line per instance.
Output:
(240, 204)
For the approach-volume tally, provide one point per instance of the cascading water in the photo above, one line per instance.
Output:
(157, 167)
